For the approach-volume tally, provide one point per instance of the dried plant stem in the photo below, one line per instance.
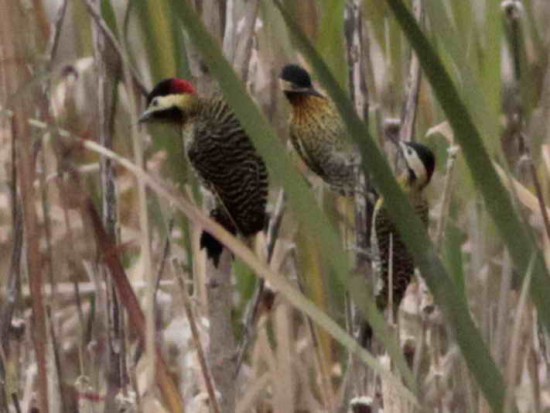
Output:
(165, 254)
(410, 108)
(107, 63)
(452, 152)
(47, 223)
(357, 57)
(239, 33)
(519, 323)
(501, 334)
(128, 298)
(13, 284)
(208, 380)
(211, 13)
(513, 12)
(114, 42)
(145, 237)
(320, 359)
(251, 313)
(222, 350)
(61, 405)
(13, 48)
(539, 194)
(53, 42)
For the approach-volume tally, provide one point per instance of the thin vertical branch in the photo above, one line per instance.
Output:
(357, 57)
(107, 63)
(136, 317)
(212, 13)
(13, 49)
(13, 279)
(145, 237)
(55, 34)
(326, 386)
(207, 376)
(410, 109)
(253, 308)
(111, 38)
(357, 51)
(222, 350)
(241, 18)
(512, 12)
(447, 192)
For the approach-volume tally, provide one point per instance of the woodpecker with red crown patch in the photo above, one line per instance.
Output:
(220, 152)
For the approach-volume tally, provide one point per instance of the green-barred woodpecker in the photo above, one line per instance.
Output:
(318, 133)
(390, 253)
(220, 152)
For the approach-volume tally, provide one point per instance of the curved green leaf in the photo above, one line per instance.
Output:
(283, 171)
(514, 232)
(445, 291)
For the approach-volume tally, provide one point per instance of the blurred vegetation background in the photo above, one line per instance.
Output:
(74, 337)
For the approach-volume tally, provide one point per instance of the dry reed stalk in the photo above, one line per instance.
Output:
(108, 66)
(284, 387)
(512, 12)
(239, 34)
(501, 333)
(13, 285)
(452, 152)
(16, 75)
(253, 308)
(222, 351)
(357, 54)
(410, 107)
(136, 317)
(111, 38)
(205, 370)
(321, 363)
(515, 361)
(145, 234)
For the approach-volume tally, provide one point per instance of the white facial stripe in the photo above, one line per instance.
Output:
(165, 102)
(285, 84)
(417, 166)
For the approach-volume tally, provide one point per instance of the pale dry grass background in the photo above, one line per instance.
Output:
(292, 365)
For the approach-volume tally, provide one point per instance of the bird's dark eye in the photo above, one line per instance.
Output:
(155, 102)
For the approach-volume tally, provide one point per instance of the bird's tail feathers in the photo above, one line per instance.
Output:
(213, 247)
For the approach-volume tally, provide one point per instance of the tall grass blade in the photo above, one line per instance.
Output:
(446, 293)
(282, 171)
(514, 232)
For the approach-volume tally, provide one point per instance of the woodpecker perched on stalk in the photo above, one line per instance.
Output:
(317, 132)
(391, 255)
(220, 152)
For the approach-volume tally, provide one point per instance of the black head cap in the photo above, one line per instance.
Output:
(426, 156)
(296, 75)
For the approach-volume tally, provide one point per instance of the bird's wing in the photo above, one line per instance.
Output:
(228, 163)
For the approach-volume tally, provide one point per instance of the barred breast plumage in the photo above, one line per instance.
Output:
(384, 236)
(317, 132)
(229, 166)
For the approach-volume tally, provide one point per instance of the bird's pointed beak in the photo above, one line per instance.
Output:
(146, 116)
(314, 92)
(402, 147)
